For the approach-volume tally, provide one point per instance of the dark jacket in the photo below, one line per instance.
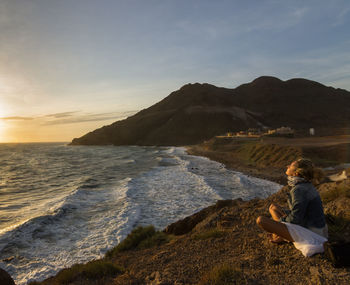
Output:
(305, 207)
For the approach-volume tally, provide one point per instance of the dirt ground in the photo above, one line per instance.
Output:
(308, 141)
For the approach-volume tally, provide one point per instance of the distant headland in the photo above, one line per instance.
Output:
(197, 112)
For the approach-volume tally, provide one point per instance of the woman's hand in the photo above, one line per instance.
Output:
(276, 212)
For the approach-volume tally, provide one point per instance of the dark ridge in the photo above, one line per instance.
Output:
(197, 112)
(304, 83)
(266, 80)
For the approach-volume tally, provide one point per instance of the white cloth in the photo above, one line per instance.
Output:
(308, 242)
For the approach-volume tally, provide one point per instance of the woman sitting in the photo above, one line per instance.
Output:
(304, 224)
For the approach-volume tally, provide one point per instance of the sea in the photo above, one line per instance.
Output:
(61, 205)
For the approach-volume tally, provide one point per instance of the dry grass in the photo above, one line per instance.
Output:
(223, 275)
(336, 226)
(214, 233)
(93, 270)
(341, 190)
(141, 237)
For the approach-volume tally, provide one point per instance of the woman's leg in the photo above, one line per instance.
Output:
(274, 227)
(276, 213)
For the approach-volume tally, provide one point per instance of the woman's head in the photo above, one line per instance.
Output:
(301, 167)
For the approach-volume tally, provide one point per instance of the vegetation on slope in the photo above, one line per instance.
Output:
(140, 237)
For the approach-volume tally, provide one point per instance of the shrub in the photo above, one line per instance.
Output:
(341, 190)
(157, 239)
(141, 237)
(214, 233)
(223, 275)
(336, 226)
(97, 269)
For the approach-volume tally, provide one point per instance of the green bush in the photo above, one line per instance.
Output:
(97, 269)
(214, 233)
(157, 239)
(223, 275)
(141, 237)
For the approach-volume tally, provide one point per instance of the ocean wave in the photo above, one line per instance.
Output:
(87, 199)
(170, 150)
(87, 223)
(59, 207)
(167, 161)
(127, 161)
(169, 191)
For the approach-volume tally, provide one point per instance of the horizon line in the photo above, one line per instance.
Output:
(35, 142)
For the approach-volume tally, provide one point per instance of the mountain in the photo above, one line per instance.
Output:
(197, 112)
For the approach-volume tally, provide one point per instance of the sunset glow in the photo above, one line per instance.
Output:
(66, 69)
(2, 123)
(2, 131)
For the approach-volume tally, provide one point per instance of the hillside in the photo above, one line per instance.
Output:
(197, 112)
(268, 157)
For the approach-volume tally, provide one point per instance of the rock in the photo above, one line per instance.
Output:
(186, 225)
(154, 279)
(9, 259)
(315, 276)
(5, 278)
(220, 219)
(338, 177)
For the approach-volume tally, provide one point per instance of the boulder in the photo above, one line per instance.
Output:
(5, 278)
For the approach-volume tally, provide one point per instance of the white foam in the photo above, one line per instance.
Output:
(67, 237)
(231, 184)
(188, 184)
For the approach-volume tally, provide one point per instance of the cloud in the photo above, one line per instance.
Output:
(342, 17)
(77, 117)
(17, 118)
(73, 117)
(280, 20)
(299, 13)
(62, 115)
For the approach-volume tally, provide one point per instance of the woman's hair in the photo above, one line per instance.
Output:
(304, 168)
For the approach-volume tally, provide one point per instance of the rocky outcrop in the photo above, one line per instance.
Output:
(186, 225)
(5, 278)
(197, 112)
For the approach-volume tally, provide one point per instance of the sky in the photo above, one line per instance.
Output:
(68, 67)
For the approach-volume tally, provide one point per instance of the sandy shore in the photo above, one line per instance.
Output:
(273, 174)
(268, 157)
